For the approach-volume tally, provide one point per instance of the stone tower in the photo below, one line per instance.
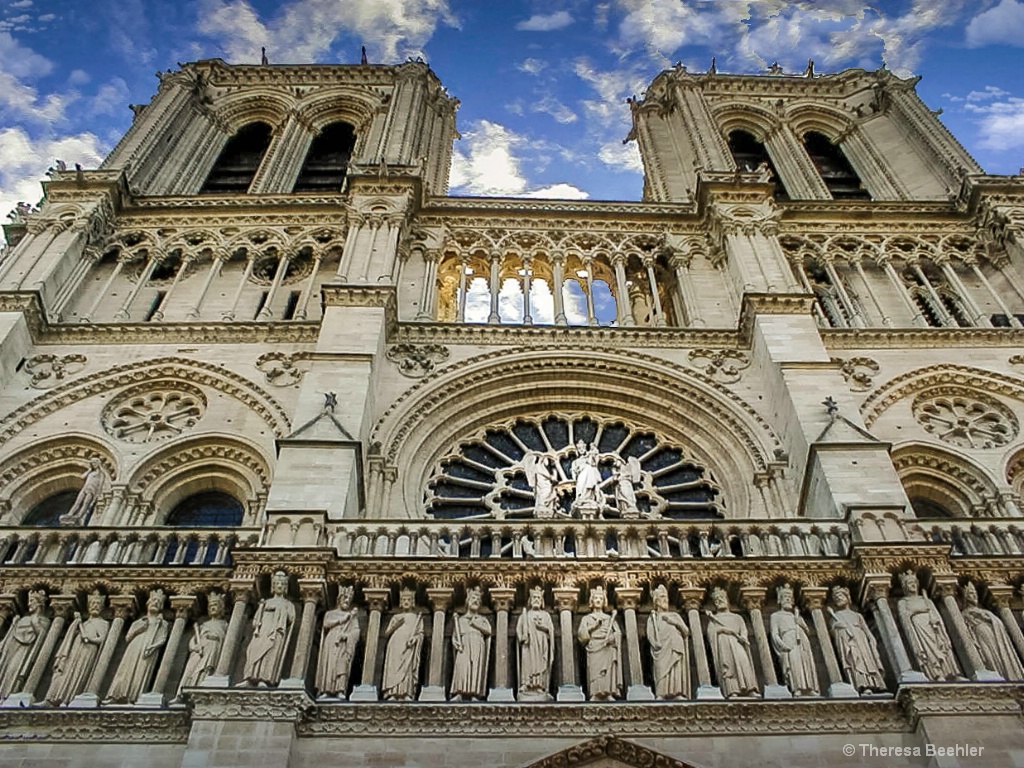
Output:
(302, 460)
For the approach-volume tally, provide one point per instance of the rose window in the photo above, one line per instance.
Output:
(143, 415)
(570, 466)
(969, 422)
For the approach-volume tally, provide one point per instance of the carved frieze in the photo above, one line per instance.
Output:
(417, 360)
(47, 370)
(858, 372)
(723, 365)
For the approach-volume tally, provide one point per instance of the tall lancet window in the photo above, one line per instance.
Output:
(750, 154)
(833, 167)
(239, 160)
(327, 161)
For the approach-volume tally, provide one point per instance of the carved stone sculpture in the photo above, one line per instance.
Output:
(205, 645)
(402, 659)
(855, 645)
(601, 638)
(990, 638)
(667, 633)
(471, 638)
(925, 632)
(625, 475)
(536, 634)
(338, 647)
(21, 645)
(95, 484)
(542, 476)
(730, 649)
(78, 653)
(146, 636)
(792, 644)
(272, 631)
(589, 497)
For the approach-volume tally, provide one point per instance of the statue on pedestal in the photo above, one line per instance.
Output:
(338, 647)
(471, 638)
(856, 646)
(146, 636)
(78, 653)
(206, 643)
(272, 630)
(667, 633)
(536, 634)
(730, 648)
(542, 476)
(601, 638)
(21, 645)
(96, 481)
(793, 645)
(625, 476)
(402, 658)
(925, 632)
(587, 474)
(990, 638)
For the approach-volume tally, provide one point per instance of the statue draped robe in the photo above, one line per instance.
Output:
(203, 652)
(20, 647)
(601, 637)
(136, 668)
(858, 652)
(993, 643)
(337, 648)
(402, 660)
(927, 637)
(669, 654)
(75, 659)
(272, 624)
(727, 633)
(535, 632)
(793, 646)
(469, 672)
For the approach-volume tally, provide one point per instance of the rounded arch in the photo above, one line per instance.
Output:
(46, 468)
(720, 430)
(744, 116)
(236, 110)
(938, 479)
(820, 118)
(211, 463)
(349, 104)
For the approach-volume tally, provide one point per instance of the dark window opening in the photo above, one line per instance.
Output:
(327, 161)
(210, 509)
(46, 514)
(239, 160)
(749, 154)
(293, 302)
(155, 306)
(926, 508)
(833, 167)
(260, 305)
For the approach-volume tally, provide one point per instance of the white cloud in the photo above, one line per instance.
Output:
(622, 157)
(532, 66)
(305, 30)
(1001, 25)
(559, 192)
(79, 77)
(111, 98)
(549, 105)
(1000, 124)
(21, 62)
(988, 92)
(545, 23)
(23, 102)
(489, 167)
(21, 4)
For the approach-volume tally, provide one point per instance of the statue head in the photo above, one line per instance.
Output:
(841, 597)
(36, 601)
(215, 605)
(407, 599)
(598, 598)
(97, 602)
(535, 599)
(474, 596)
(660, 596)
(720, 599)
(155, 604)
(784, 595)
(279, 584)
(95, 463)
(909, 583)
(346, 594)
(970, 594)
(581, 447)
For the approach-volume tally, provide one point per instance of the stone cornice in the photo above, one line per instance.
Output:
(547, 209)
(241, 203)
(960, 699)
(520, 335)
(920, 338)
(101, 726)
(264, 704)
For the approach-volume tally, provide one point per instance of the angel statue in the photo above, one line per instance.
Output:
(542, 476)
(587, 474)
(625, 475)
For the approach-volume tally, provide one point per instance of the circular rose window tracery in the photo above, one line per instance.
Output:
(974, 421)
(570, 466)
(154, 412)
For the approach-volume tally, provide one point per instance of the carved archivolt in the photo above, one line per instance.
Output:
(950, 481)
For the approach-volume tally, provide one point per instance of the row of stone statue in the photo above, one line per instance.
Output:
(81, 661)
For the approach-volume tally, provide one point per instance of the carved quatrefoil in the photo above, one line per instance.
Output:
(151, 413)
(974, 421)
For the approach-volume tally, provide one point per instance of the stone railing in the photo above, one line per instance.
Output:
(114, 546)
(456, 539)
(981, 536)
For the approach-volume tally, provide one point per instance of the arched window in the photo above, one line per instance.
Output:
(928, 509)
(239, 160)
(46, 514)
(833, 167)
(327, 161)
(209, 509)
(749, 154)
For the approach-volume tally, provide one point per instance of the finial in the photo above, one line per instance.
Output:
(714, 67)
(775, 68)
(263, 57)
(809, 72)
(363, 59)
(831, 406)
(330, 401)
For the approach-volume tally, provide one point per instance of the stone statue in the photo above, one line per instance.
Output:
(601, 638)
(21, 645)
(95, 484)
(667, 633)
(856, 646)
(542, 476)
(536, 634)
(402, 659)
(793, 645)
(990, 638)
(78, 653)
(925, 632)
(625, 476)
(272, 630)
(730, 648)
(589, 497)
(471, 638)
(146, 636)
(206, 643)
(338, 647)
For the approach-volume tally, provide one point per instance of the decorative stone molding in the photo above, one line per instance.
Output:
(151, 413)
(723, 365)
(416, 361)
(281, 369)
(46, 371)
(858, 372)
(106, 726)
(249, 704)
(939, 699)
(966, 419)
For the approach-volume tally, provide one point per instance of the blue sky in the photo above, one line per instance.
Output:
(542, 84)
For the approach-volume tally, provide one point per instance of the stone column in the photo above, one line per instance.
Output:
(679, 263)
(503, 598)
(917, 319)
(312, 592)
(565, 600)
(527, 277)
(814, 601)
(124, 313)
(659, 313)
(377, 600)
(692, 599)
(122, 259)
(495, 288)
(1001, 596)
(463, 266)
(877, 601)
(856, 261)
(753, 600)
(63, 606)
(978, 318)
(441, 599)
(970, 659)
(266, 313)
(157, 696)
(428, 291)
(558, 278)
(625, 315)
(302, 310)
(215, 266)
(250, 262)
(973, 264)
(186, 262)
(628, 599)
(124, 606)
(856, 320)
(241, 591)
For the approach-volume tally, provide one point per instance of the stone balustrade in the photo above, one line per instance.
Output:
(140, 546)
(985, 536)
(573, 539)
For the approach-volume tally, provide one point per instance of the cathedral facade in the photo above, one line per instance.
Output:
(303, 461)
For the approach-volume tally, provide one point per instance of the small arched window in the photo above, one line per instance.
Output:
(833, 167)
(327, 160)
(239, 160)
(47, 513)
(209, 509)
(749, 154)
